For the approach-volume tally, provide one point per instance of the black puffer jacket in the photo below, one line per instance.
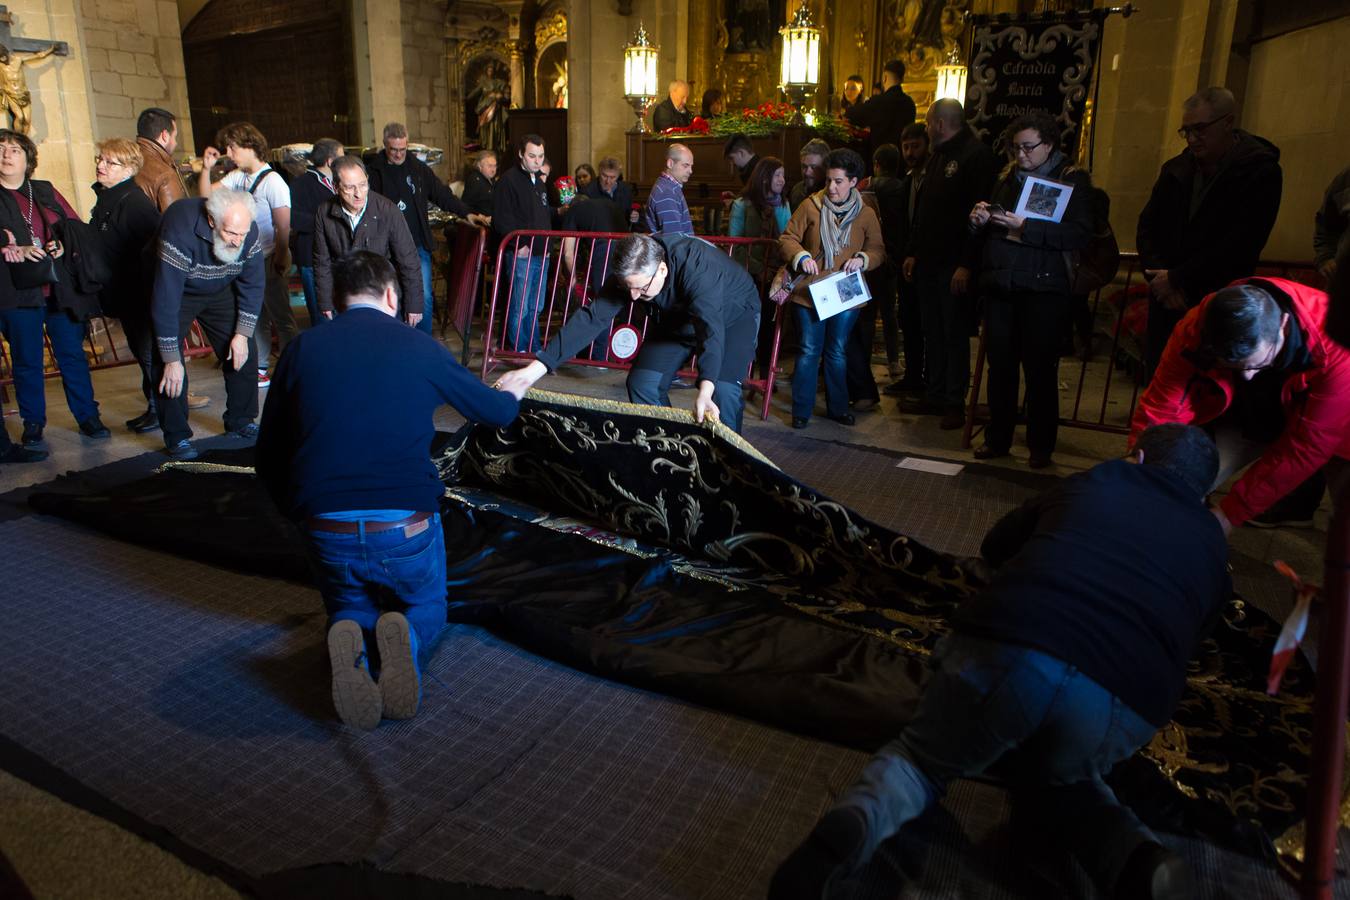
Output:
(1036, 262)
(1223, 240)
(126, 220)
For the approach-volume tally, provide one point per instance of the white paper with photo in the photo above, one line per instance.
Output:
(1043, 198)
(839, 292)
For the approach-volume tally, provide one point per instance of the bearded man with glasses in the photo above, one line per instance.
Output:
(1209, 215)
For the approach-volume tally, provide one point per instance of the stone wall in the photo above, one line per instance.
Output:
(1298, 96)
(134, 57)
(424, 76)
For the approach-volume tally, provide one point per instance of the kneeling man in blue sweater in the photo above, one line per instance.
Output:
(345, 451)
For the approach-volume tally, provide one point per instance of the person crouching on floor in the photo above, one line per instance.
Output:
(1068, 663)
(345, 451)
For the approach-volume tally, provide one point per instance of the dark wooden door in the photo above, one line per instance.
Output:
(292, 79)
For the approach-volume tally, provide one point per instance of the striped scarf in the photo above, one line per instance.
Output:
(836, 223)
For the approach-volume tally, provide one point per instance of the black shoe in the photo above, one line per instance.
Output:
(183, 450)
(984, 451)
(32, 434)
(248, 432)
(20, 454)
(145, 422)
(953, 419)
(830, 853)
(95, 429)
(845, 419)
(902, 387)
(800, 422)
(916, 407)
(1155, 873)
(1040, 461)
(1274, 518)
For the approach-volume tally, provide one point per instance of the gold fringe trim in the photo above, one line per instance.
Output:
(202, 468)
(668, 413)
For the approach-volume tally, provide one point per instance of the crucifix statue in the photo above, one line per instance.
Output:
(15, 53)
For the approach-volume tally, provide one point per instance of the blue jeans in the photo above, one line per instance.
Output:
(987, 699)
(363, 575)
(428, 295)
(23, 329)
(830, 339)
(311, 295)
(522, 310)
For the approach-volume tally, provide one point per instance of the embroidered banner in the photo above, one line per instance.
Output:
(1033, 65)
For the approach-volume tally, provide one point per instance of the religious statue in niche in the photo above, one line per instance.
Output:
(750, 26)
(559, 88)
(922, 33)
(489, 100)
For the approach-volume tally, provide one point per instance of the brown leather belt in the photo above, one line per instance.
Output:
(339, 527)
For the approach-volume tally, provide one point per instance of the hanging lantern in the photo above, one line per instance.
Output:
(800, 72)
(951, 78)
(639, 75)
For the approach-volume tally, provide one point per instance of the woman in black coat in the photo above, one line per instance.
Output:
(127, 220)
(1024, 276)
(32, 215)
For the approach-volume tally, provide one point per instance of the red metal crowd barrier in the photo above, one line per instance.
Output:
(1107, 376)
(575, 264)
(463, 274)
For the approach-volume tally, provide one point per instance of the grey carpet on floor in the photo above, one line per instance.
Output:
(198, 698)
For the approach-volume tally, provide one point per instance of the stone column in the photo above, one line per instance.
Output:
(517, 74)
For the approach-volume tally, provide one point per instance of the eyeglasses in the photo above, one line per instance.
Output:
(648, 286)
(1186, 132)
(353, 188)
(1027, 148)
(109, 162)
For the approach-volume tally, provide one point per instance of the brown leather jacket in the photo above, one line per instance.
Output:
(158, 176)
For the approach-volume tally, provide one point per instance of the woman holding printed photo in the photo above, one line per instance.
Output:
(1025, 280)
(831, 231)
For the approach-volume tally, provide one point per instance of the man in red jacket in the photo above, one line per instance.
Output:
(1253, 363)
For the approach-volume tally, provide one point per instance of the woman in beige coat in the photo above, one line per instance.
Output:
(831, 231)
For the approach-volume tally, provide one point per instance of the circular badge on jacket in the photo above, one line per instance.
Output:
(624, 342)
(950, 170)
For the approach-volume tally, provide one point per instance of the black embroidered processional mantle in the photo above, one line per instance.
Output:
(629, 542)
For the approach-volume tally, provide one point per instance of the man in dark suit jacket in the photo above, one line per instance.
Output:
(479, 184)
(1210, 213)
(671, 112)
(886, 115)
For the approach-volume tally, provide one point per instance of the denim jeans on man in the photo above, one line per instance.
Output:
(522, 310)
(311, 294)
(987, 699)
(365, 574)
(428, 292)
(22, 327)
(663, 355)
(828, 338)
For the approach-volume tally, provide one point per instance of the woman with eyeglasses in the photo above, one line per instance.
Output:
(39, 294)
(126, 220)
(1025, 279)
